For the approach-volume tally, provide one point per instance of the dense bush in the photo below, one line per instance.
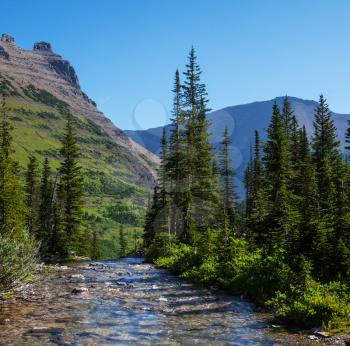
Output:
(267, 279)
(17, 258)
(314, 304)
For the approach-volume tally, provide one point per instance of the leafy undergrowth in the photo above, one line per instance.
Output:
(17, 260)
(296, 299)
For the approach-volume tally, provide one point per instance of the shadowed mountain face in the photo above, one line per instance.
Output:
(241, 122)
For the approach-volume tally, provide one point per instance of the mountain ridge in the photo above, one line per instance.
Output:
(242, 120)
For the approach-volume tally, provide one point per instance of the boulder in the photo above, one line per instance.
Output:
(322, 334)
(78, 290)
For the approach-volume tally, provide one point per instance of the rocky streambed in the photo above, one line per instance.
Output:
(127, 302)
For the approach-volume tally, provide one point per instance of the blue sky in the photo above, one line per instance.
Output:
(126, 52)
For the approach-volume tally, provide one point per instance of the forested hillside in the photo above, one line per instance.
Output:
(287, 245)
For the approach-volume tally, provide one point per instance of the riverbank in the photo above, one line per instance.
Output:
(129, 302)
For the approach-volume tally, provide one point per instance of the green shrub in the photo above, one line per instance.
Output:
(314, 304)
(17, 258)
(205, 273)
(162, 247)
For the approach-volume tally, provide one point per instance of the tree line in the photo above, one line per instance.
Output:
(288, 241)
(40, 216)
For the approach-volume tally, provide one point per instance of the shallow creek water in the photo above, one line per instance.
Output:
(127, 302)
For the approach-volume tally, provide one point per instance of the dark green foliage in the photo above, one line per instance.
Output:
(13, 210)
(292, 236)
(70, 189)
(123, 250)
(33, 197)
(17, 259)
(46, 213)
(45, 97)
(17, 247)
(126, 214)
(282, 218)
(6, 88)
(227, 174)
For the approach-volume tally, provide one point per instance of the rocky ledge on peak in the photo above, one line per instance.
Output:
(7, 39)
(42, 46)
(64, 69)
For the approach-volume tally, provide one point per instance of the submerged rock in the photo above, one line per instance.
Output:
(322, 334)
(46, 330)
(78, 290)
(78, 276)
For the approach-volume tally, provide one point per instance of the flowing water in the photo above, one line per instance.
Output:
(127, 302)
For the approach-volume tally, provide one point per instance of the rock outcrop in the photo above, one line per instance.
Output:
(7, 39)
(64, 69)
(43, 46)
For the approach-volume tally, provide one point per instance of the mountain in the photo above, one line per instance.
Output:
(41, 86)
(241, 121)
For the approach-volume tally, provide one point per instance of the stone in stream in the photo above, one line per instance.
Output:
(78, 290)
(78, 276)
(322, 334)
(46, 330)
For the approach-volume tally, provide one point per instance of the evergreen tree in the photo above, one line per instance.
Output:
(122, 242)
(13, 210)
(282, 217)
(227, 174)
(306, 189)
(325, 155)
(193, 93)
(46, 206)
(176, 157)
(163, 222)
(200, 200)
(33, 197)
(291, 127)
(249, 185)
(228, 197)
(255, 219)
(70, 187)
(149, 230)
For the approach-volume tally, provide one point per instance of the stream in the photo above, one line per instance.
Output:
(128, 302)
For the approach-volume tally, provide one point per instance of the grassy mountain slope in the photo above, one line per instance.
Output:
(118, 173)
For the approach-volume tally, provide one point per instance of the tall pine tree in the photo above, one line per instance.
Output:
(70, 189)
(33, 197)
(13, 210)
